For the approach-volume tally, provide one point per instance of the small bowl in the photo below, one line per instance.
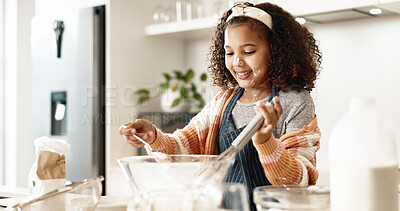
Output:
(83, 195)
(112, 203)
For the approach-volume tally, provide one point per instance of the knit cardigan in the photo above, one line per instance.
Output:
(290, 160)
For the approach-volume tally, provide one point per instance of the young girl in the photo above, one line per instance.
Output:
(259, 54)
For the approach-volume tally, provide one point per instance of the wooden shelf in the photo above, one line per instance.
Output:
(187, 29)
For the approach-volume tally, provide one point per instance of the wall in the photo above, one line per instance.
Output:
(135, 61)
(360, 58)
(196, 57)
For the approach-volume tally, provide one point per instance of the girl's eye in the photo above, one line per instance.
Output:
(229, 54)
(249, 52)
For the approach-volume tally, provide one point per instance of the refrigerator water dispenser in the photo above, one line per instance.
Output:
(58, 113)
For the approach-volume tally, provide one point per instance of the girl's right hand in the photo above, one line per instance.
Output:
(140, 127)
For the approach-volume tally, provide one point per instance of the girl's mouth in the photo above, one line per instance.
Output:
(243, 75)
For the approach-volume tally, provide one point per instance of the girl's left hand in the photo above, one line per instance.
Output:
(271, 115)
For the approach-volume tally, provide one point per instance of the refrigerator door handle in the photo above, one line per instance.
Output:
(58, 29)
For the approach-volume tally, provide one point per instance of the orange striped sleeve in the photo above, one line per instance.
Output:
(291, 160)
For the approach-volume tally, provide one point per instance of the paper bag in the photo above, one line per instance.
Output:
(48, 171)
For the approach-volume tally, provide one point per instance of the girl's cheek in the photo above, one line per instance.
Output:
(256, 71)
(228, 64)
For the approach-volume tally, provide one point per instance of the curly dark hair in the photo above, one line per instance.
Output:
(294, 55)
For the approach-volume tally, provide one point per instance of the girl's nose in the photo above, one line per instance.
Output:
(237, 62)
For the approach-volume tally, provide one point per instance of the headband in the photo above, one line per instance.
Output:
(252, 12)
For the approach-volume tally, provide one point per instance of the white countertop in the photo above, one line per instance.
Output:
(12, 195)
(13, 191)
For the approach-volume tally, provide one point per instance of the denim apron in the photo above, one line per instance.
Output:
(247, 168)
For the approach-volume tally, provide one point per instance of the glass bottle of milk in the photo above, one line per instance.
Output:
(363, 161)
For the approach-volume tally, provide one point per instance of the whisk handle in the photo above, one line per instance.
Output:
(245, 136)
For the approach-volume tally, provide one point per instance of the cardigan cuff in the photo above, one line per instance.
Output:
(157, 145)
(267, 147)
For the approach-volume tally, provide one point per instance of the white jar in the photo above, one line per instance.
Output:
(363, 161)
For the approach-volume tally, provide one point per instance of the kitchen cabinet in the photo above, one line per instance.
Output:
(187, 29)
(306, 7)
(201, 27)
(389, 1)
(390, 5)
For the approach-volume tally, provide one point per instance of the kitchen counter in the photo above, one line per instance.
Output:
(11, 195)
(7, 192)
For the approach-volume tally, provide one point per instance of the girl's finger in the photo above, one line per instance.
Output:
(272, 112)
(266, 114)
(121, 128)
(132, 139)
(128, 137)
(267, 129)
(278, 107)
(124, 131)
(135, 143)
(144, 136)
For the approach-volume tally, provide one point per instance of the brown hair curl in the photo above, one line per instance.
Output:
(294, 54)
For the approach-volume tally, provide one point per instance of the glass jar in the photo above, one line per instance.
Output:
(292, 198)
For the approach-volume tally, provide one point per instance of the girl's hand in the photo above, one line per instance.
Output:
(140, 127)
(271, 115)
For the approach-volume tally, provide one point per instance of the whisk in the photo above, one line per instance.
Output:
(216, 170)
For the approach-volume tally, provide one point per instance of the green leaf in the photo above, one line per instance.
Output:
(164, 85)
(184, 92)
(201, 105)
(189, 75)
(143, 98)
(176, 102)
(167, 77)
(197, 96)
(193, 88)
(178, 75)
(203, 77)
(142, 91)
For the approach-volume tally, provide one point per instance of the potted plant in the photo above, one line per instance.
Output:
(178, 91)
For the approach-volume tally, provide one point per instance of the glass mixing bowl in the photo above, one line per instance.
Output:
(81, 196)
(293, 198)
(147, 173)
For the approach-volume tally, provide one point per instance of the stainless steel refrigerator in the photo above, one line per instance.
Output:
(68, 68)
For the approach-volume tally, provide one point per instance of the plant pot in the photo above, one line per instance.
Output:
(168, 98)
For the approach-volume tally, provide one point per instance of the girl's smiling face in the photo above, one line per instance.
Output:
(246, 56)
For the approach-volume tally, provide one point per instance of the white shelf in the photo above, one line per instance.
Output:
(186, 29)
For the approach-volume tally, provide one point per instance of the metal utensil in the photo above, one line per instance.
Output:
(147, 145)
(88, 187)
(159, 156)
(215, 172)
